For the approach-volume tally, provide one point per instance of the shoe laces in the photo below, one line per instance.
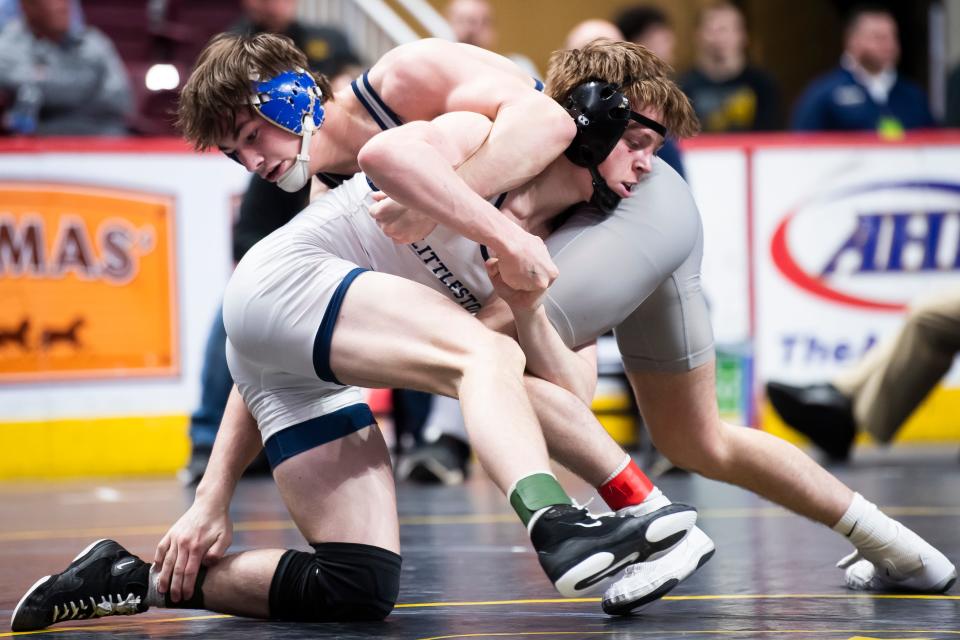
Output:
(82, 609)
(850, 559)
(585, 508)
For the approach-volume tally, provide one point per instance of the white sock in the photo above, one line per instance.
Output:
(623, 465)
(865, 526)
(892, 554)
(656, 494)
(154, 597)
(655, 500)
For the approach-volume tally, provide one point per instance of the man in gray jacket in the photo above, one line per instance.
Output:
(59, 80)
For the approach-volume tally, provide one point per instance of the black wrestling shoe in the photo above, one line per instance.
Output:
(578, 550)
(104, 580)
(819, 412)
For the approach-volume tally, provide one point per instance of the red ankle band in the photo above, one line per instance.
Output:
(629, 487)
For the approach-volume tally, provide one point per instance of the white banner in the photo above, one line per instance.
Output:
(718, 179)
(844, 239)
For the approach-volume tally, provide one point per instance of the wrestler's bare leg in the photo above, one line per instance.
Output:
(341, 491)
(680, 410)
(396, 333)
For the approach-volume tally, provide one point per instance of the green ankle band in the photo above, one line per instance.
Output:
(536, 492)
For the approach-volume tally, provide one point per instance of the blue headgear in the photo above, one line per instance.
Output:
(287, 99)
(293, 102)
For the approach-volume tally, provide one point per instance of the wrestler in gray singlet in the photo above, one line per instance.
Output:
(636, 271)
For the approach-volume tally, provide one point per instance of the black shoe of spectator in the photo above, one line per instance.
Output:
(191, 474)
(443, 461)
(199, 457)
(819, 412)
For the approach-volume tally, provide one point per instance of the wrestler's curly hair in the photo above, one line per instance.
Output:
(643, 77)
(221, 83)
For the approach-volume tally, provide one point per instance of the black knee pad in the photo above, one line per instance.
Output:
(341, 582)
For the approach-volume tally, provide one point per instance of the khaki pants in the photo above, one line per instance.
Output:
(894, 378)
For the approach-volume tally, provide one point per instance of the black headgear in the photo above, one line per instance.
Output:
(602, 113)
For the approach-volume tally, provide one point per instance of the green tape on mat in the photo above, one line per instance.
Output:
(536, 492)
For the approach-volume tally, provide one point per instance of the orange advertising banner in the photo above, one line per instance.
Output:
(87, 283)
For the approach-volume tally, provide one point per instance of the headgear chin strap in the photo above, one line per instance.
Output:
(298, 175)
(602, 113)
(293, 102)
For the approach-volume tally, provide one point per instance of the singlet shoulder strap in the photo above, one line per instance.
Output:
(333, 180)
(375, 106)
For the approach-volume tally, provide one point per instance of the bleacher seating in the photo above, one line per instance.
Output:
(146, 32)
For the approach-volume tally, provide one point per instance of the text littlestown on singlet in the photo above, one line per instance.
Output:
(461, 294)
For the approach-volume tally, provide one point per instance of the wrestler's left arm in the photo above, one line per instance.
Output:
(530, 129)
(547, 355)
(438, 147)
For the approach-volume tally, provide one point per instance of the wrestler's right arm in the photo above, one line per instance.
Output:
(438, 147)
(204, 532)
(547, 356)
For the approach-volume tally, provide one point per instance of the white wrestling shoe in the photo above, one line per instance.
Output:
(923, 570)
(646, 582)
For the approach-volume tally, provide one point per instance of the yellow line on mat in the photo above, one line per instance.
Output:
(481, 518)
(114, 627)
(427, 605)
(737, 596)
(658, 632)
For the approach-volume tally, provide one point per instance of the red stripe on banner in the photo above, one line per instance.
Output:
(94, 145)
(799, 140)
(751, 259)
(788, 266)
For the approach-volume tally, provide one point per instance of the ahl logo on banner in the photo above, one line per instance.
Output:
(875, 246)
(87, 280)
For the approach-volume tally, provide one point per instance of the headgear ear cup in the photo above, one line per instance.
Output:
(293, 102)
(602, 113)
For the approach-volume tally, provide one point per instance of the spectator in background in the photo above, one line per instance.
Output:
(727, 92)
(884, 388)
(865, 92)
(952, 118)
(650, 27)
(327, 48)
(10, 9)
(58, 80)
(472, 22)
(264, 208)
(583, 33)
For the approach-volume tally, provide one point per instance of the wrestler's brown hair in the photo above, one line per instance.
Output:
(221, 83)
(642, 76)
